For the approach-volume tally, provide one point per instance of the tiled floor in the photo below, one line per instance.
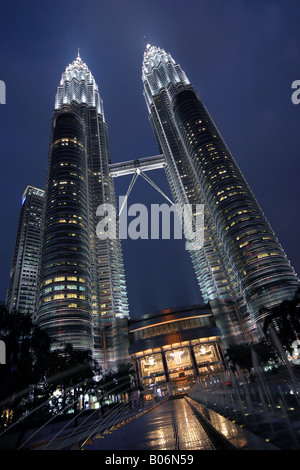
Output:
(171, 426)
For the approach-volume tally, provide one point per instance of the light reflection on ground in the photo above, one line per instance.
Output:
(171, 426)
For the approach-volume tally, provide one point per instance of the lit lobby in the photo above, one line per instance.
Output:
(173, 348)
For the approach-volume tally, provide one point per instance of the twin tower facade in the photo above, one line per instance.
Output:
(81, 290)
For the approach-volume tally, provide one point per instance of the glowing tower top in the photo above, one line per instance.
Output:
(159, 71)
(78, 85)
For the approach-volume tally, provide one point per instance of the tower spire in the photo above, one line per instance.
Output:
(147, 43)
(78, 55)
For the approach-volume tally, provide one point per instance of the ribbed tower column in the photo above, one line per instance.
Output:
(264, 272)
(163, 78)
(83, 289)
(241, 268)
(65, 304)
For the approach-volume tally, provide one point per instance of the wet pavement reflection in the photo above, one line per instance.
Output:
(233, 434)
(170, 426)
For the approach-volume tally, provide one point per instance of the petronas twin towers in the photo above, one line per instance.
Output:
(82, 283)
(240, 269)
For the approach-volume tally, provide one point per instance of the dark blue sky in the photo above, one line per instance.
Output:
(242, 56)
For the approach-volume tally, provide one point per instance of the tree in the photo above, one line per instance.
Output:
(285, 319)
(239, 354)
(33, 372)
(26, 349)
(74, 371)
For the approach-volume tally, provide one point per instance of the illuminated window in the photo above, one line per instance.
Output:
(58, 296)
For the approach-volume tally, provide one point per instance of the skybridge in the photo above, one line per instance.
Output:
(130, 167)
(137, 168)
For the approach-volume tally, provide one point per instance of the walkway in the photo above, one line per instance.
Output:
(170, 426)
(181, 424)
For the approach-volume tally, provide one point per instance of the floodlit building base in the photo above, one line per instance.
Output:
(173, 348)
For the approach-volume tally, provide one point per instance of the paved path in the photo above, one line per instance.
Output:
(170, 426)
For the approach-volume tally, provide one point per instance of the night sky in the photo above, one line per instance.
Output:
(242, 57)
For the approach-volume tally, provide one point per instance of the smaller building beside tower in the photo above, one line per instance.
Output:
(173, 348)
(21, 293)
